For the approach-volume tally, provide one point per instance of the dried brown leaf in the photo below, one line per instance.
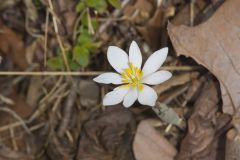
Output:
(12, 46)
(215, 44)
(107, 136)
(204, 127)
(151, 145)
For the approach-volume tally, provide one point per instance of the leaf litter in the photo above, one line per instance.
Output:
(61, 117)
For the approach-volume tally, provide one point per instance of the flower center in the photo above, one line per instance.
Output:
(132, 76)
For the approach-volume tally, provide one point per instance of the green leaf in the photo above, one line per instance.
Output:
(55, 63)
(37, 3)
(84, 20)
(84, 38)
(83, 29)
(99, 5)
(93, 46)
(115, 3)
(73, 65)
(84, 23)
(86, 41)
(80, 6)
(94, 23)
(81, 55)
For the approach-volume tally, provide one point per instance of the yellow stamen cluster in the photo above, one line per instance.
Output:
(132, 76)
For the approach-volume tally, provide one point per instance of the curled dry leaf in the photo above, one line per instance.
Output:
(151, 145)
(215, 44)
(107, 136)
(204, 127)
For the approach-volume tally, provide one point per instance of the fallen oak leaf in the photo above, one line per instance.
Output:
(205, 127)
(215, 45)
(150, 145)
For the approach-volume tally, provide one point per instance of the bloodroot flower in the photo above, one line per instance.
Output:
(132, 79)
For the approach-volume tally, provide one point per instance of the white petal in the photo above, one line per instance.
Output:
(157, 77)
(117, 58)
(155, 61)
(130, 97)
(147, 96)
(116, 96)
(108, 78)
(135, 56)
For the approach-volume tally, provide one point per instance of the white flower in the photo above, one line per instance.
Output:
(132, 78)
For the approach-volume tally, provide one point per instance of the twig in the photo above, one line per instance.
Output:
(116, 13)
(68, 111)
(93, 73)
(55, 87)
(20, 133)
(22, 122)
(21, 77)
(168, 128)
(6, 100)
(43, 106)
(69, 136)
(6, 127)
(46, 38)
(58, 37)
(176, 94)
(192, 3)
(12, 135)
(49, 73)
(102, 91)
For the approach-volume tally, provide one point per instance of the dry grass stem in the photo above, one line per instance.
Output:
(11, 112)
(92, 73)
(58, 36)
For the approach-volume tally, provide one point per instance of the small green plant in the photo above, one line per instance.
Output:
(84, 43)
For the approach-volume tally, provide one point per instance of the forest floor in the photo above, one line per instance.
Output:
(51, 109)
